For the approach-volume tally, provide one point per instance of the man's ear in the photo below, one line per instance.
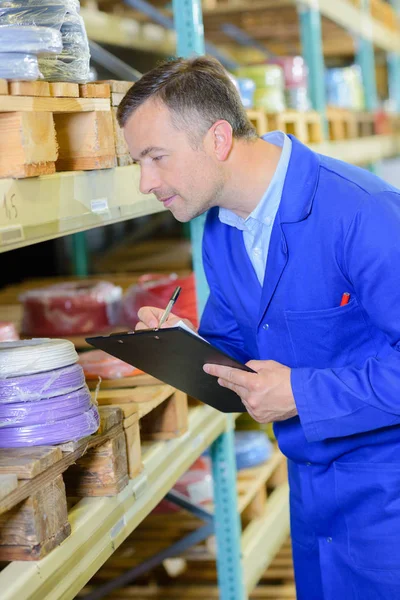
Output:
(221, 139)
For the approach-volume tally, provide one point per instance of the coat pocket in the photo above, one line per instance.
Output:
(368, 496)
(333, 337)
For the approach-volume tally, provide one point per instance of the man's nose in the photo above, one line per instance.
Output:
(149, 182)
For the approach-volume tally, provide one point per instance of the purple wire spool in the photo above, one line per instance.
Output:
(29, 388)
(66, 430)
(21, 414)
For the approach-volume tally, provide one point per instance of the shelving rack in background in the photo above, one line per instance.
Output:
(99, 525)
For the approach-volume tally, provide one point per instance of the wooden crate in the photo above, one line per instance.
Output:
(118, 91)
(47, 127)
(33, 516)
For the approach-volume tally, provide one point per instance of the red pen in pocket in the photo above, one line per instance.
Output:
(345, 299)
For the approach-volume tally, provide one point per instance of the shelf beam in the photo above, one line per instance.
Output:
(100, 525)
(264, 536)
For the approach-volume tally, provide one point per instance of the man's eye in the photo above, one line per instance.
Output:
(157, 158)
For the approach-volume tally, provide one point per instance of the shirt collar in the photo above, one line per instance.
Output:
(270, 200)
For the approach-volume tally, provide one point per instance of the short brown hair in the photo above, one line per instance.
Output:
(196, 90)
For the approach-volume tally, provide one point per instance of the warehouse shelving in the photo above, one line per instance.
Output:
(100, 525)
(69, 202)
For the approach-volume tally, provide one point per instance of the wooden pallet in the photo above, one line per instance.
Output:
(342, 123)
(47, 127)
(118, 91)
(34, 515)
(306, 126)
(365, 123)
(150, 412)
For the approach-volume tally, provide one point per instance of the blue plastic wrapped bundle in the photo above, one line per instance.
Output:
(252, 448)
(72, 62)
(14, 65)
(247, 87)
(30, 40)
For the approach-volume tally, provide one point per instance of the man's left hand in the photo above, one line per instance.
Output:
(267, 393)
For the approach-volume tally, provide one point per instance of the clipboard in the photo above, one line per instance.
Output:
(176, 357)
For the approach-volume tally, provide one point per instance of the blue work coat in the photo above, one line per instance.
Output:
(337, 230)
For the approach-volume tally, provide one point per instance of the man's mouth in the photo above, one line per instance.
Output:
(167, 201)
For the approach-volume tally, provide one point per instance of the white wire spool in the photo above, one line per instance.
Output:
(26, 357)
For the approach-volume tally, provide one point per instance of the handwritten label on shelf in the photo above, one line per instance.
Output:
(99, 205)
(10, 207)
(11, 235)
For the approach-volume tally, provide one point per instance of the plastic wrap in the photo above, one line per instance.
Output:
(15, 65)
(97, 363)
(72, 64)
(196, 484)
(42, 386)
(23, 414)
(156, 290)
(251, 448)
(32, 40)
(58, 432)
(26, 357)
(75, 308)
(8, 332)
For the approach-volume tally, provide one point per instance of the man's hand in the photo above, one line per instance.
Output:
(150, 317)
(267, 394)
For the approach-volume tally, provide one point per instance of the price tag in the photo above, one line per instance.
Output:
(11, 235)
(99, 205)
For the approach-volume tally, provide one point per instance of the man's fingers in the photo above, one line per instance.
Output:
(231, 375)
(150, 316)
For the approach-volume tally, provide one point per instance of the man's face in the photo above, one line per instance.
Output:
(188, 181)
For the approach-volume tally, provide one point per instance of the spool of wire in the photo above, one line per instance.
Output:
(41, 386)
(23, 414)
(26, 357)
(56, 432)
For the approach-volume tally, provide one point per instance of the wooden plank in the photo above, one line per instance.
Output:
(27, 463)
(124, 382)
(137, 395)
(29, 487)
(26, 138)
(3, 87)
(133, 449)
(25, 530)
(121, 87)
(29, 88)
(121, 147)
(63, 89)
(101, 471)
(55, 105)
(94, 90)
(116, 98)
(8, 483)
(168, 420)
(86, 141)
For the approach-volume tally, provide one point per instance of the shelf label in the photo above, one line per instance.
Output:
(11, 235)
(99, 205)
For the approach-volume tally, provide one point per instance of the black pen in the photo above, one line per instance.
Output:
(170, 304)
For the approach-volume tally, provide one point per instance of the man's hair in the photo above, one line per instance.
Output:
(198, 92)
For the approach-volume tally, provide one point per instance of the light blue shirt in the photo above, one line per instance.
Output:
(257, 227)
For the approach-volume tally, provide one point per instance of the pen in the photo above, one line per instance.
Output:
(345, 299)
(170, 304)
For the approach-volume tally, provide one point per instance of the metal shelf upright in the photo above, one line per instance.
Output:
(190, 41)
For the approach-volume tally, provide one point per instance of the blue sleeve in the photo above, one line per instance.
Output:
(218, 325)
(345, 401)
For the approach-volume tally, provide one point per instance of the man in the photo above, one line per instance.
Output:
(288, 233)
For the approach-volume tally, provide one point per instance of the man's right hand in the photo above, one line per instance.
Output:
(150, 317)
